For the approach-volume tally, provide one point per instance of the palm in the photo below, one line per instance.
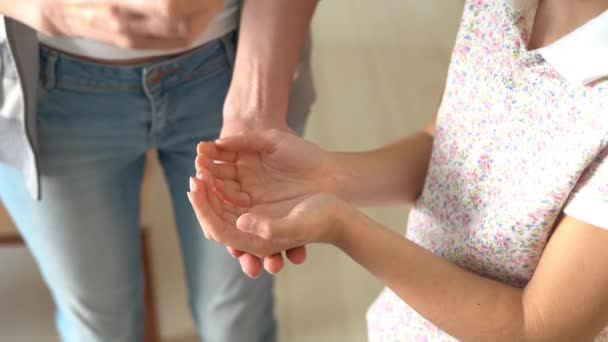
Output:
(285, 168)
(258, 170)
(269, 177)
(219, 218)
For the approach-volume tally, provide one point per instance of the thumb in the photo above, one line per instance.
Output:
(267, 228)
(254, 141)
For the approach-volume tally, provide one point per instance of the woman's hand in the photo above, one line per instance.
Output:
(266, 166)
(250, 264)
(245, 178)
(139, 24)
(269, 228)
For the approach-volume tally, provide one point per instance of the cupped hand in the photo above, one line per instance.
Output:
(261, 167)
(266, 166)
(235, 125)
(266, 229)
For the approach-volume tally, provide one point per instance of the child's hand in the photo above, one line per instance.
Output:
(262, 167)
(269, 228)
(266, 166)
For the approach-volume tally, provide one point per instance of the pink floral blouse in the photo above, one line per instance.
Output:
(516, 145)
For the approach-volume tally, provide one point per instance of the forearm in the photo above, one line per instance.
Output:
(391, 174)
(271, 36)
(466, 305)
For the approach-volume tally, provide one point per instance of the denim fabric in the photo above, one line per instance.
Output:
(95, 123)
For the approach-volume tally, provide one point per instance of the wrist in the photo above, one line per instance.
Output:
(337, 176)
(237, 125)
(256, 93)
(342, 217)
(248, 109)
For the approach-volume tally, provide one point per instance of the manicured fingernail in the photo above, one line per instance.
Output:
(245, 223)
(192, 185)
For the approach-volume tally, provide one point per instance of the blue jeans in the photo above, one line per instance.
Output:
(95, 123)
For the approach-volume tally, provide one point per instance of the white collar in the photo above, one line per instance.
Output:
(581, 56)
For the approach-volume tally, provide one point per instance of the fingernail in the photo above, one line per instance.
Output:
(245, 223)
(192, 185)
(199, 175)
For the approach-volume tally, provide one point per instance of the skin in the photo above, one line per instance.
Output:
(556, 18)
(265, 192)
(271, 36)
(289, 208)
(160, 24)
(272, 33)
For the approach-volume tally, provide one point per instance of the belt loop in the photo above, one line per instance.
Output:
(50, 77)
(229, 43)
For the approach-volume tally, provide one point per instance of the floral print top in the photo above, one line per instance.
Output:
(516, 145)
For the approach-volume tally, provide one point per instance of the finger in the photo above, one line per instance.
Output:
(265, 228)
(207, 149)
(169, 8)
(218, 170)
(196, 185)
(273, 264)
(207, 236)
(233, 209)
(205, 216)
(224, 171)
(216, 227)
(148, 42)
(183, 27)
(234, 252)
(115, 27)
(251, 265)
(208, 209)
(231, 192)
(296, 255)
(256, 141)
(152, 26)
(199, 185)
(204, 184)
(211, 151)
(229, 217)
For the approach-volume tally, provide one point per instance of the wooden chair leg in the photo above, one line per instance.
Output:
(151, 333)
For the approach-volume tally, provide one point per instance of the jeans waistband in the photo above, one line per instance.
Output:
(59, 70)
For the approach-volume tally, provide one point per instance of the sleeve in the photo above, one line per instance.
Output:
(588, 200)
